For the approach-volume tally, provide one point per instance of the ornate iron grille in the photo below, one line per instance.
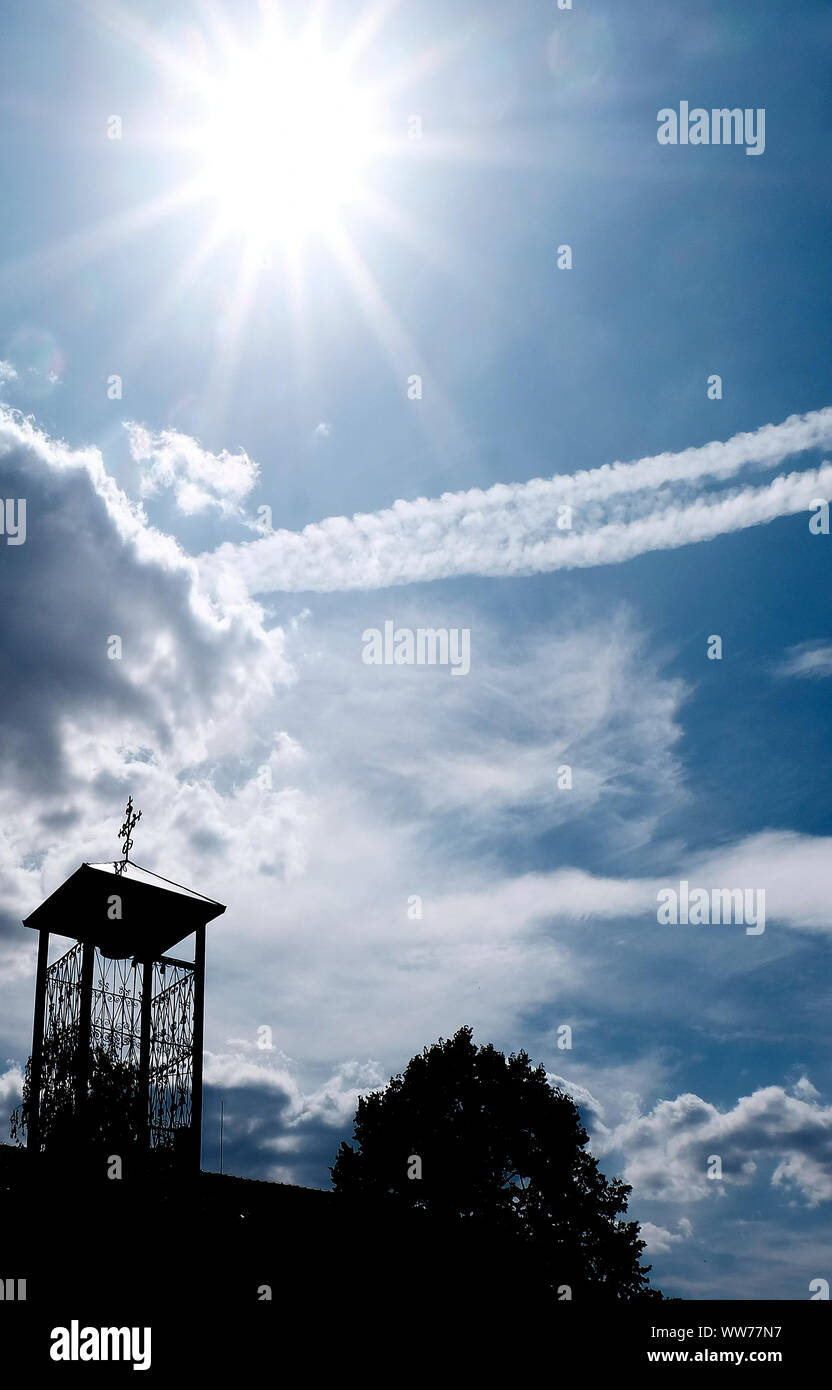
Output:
(60, 1031)
(115, 1025)
(171, 1050)
(63, 991)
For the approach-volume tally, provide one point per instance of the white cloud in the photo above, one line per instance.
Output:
(592, 1110)
(323, 430)
(198, 479)
(805, 1090)
(11, 1086)
(190, 667)
(661, 1241)
(795, 870)
(8, 372)
(668, 1150)
(618, 511)
(763, 1258)
(589, 695)
(268, 1112)
(812, 659)
(618, 1088)
(317, 869)
(333, 1101)
(192, 687)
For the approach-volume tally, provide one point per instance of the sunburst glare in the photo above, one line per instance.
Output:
(285, 140)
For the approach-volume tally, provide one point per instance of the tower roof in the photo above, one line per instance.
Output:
(155, 913)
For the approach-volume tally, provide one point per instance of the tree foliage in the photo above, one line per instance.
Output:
(110, 1113)
(501, 1151)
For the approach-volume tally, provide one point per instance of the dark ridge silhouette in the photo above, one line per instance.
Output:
(508, 1205)
(150, 1243)
(467, 1190)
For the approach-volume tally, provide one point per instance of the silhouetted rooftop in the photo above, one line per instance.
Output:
(154, 912)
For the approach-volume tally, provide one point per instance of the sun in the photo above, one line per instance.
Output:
(285, 142)
(271, 139)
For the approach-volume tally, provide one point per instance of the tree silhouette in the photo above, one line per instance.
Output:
(501, 1153)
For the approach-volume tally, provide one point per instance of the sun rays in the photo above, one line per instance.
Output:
(267, 151)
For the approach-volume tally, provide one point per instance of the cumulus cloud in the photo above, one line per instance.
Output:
(92, 569)
(198, 479)
(315, 844)
(11, 1087)
(661, 1241)
(7, 372)
(274, 1128)
(333, 1101)
(669, 1149)
(808, 659)
(277, 772)
(617, 512)
(194, 685)
(591, 1109)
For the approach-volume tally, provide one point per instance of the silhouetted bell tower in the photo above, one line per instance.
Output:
(118, 990)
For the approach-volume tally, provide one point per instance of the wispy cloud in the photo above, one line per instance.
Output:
(346, 829)
(795, 870)
(613, 513)
(198, 479)
(808, 659)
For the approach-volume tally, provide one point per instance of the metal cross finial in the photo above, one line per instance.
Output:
(125, 833)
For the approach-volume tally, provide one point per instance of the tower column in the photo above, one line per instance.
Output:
(144, 1053)
(82, 1053)
(33, 1137)
(199, 1019)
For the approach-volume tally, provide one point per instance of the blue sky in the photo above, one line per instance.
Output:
(284, 384)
